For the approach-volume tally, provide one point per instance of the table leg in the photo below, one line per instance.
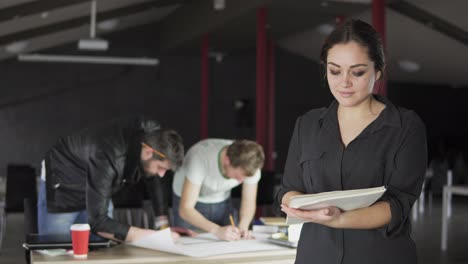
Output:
(445, 207)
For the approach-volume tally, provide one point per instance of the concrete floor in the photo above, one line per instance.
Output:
(426, 233)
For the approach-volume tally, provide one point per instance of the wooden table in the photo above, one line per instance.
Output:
(129, 254)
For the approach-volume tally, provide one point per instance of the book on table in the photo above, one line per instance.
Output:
(344, 200)
(273, 221)
(280, 232)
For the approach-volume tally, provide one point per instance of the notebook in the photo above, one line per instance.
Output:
(345, 200)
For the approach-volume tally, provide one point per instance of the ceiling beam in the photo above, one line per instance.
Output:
(77, 22)
(430, 20)
(198, 17)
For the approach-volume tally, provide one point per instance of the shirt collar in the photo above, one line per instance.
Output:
(329, 119)
(390, 116)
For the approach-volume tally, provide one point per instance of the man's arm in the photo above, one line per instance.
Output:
(187, 211)
(134, 233)
(248, 206)
(157, 190)
(98, 196)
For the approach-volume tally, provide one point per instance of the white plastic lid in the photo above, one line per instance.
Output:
(80, 227)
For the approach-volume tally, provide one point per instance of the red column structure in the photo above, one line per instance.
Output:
(339, 20)
(204, 87)
(260, 106)
(271, 103)
(378, 21)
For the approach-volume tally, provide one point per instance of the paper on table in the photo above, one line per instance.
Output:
(203, 245)
(200, 238)
(160, 240)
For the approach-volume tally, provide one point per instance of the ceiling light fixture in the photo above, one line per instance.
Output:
(108, 25)
(88, 59)
(325, 29)
(217, 55)
(16, 47)
(409, 66)
(93, 43)
(354, 1)
(219, 4)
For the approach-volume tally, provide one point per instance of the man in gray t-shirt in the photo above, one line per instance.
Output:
(202, 186)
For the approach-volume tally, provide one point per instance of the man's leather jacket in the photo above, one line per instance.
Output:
(85, 169)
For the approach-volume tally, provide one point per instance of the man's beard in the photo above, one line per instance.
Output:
(144, 168)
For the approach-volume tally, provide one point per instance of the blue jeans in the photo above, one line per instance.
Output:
(215, 212)
(59, 223)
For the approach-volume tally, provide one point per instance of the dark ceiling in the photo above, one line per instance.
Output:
(430, 34)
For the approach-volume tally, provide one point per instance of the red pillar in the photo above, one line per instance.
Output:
(378, 17)
(378, 21)
(270, 144)
(260, 106)
(261, 88)
(204, 87)
(339, 20)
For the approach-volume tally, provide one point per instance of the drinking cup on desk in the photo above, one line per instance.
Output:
(80, 240)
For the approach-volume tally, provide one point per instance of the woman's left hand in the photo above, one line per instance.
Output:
(324, 216)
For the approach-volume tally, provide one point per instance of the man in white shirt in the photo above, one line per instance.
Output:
(202, 186)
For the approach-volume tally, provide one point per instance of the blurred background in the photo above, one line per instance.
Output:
(227, 69)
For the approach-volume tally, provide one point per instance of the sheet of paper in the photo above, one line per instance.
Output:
(199, 239)
(203, 245)
(160, 240)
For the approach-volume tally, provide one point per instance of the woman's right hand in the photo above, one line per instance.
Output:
(229, 233)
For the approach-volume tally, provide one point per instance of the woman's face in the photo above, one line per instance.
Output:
(350, 73)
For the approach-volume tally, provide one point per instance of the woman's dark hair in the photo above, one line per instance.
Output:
(168, 142)
(362, 33)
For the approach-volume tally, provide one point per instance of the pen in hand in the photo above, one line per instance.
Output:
(232, 220)
(236, 231)
(246, 234)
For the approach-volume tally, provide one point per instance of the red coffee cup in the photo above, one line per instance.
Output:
(80, 240)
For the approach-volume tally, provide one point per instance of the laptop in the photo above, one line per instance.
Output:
(36, 241)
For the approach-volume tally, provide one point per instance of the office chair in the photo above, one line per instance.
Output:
(30, 223)
(20, 184)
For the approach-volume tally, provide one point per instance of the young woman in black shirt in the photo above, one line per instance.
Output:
(360, 141)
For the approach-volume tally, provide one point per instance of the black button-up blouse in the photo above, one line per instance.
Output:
(391, 151)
